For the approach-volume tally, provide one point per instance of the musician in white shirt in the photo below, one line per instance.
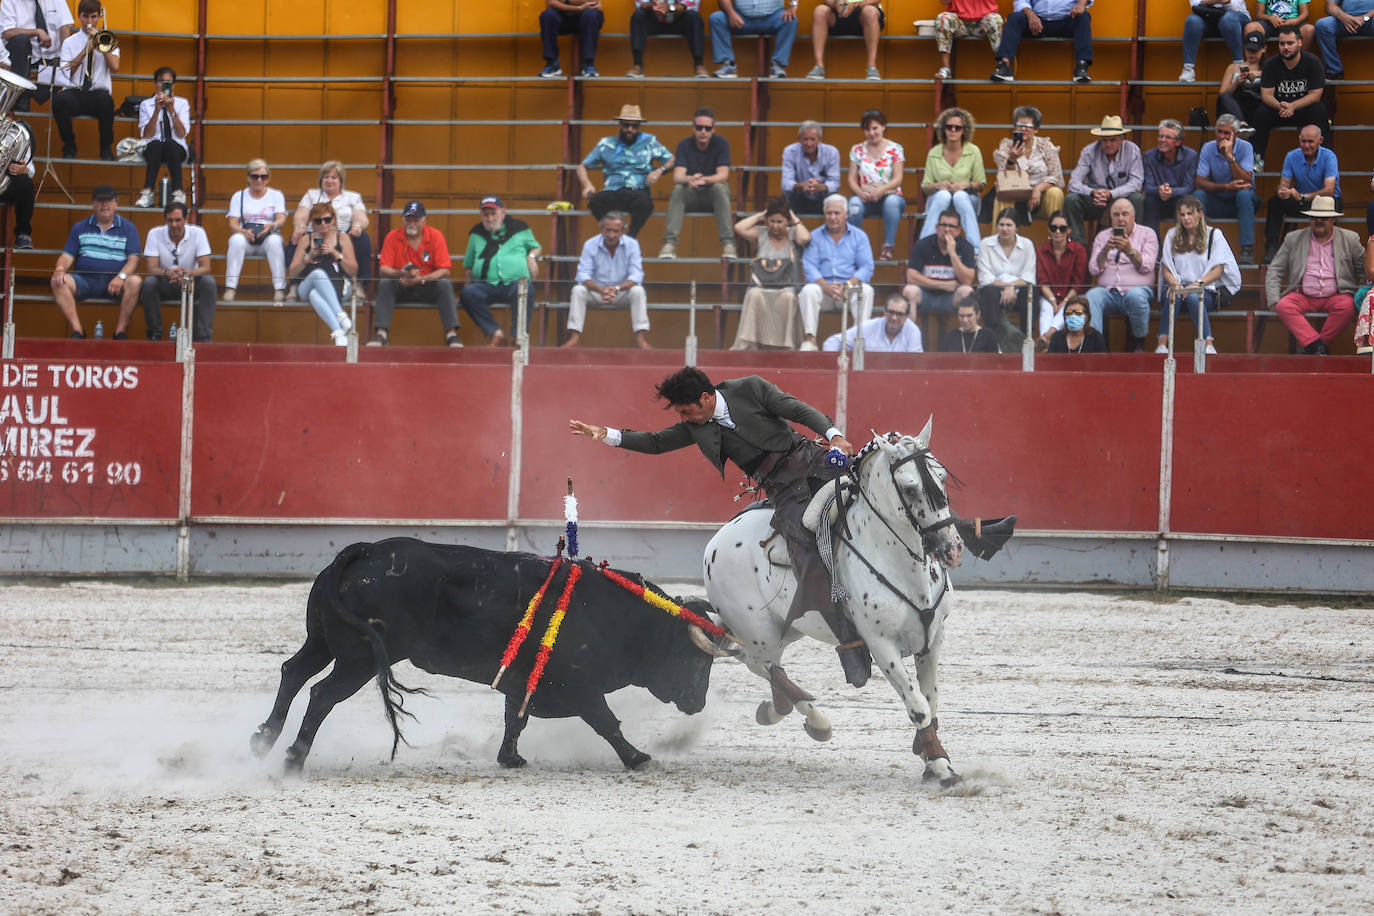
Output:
(84, 79)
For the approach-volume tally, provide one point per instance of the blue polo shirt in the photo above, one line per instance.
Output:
(100, 251)
(1310, 178)
(1211, 164)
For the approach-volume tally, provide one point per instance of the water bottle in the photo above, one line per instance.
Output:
(99, 330)
(172, 332)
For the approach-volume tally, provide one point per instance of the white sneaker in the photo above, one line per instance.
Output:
(668, 251)
(1162, 348)
(344, 323)
(1211, 350)
(1189, 74)
(340, 338)
(178, 197)
(808, 346)
(145, 199)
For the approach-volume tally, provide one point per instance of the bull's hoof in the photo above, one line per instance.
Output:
(510, 761)
(262, 741)
(819, 734)
(636, 761)
(295, 762)
(767, 714)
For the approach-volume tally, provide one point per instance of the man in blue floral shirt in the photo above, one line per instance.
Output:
(628, 161)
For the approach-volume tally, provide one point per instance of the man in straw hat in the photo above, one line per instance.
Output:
(1109, 168)
(1317, 269)
(628, 160)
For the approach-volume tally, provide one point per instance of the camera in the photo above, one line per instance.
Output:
(165, 86)
(1018, 138)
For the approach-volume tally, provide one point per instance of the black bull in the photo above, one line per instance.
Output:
(452, 610)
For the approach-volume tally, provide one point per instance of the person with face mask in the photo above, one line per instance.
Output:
(1077, 336)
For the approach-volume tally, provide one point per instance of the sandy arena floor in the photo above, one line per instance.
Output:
(1186, 756)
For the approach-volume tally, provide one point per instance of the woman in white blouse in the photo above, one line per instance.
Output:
(164, 120)
(1006, 278)
(350, 213)
(1195, 254)
(256, 216)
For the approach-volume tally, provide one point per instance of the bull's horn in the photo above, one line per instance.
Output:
(704, 643)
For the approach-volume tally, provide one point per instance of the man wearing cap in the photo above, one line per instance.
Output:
(415, 267)
(1317, 269)
(628, 161)
(1240, 85)
(178, 255)
(610, 274)
(1309, 171)
(1226, 182)
(98, 261)
(701, 184)
(1108, 169)
(501, 252)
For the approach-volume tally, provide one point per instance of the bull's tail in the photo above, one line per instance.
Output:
(393, 691)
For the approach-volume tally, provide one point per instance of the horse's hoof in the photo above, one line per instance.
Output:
(262, 741)
(947, 778)
(767, 714)
(820, 734)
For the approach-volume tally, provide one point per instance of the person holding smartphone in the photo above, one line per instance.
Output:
(1123, 260)
(164, 120)
(325, 265)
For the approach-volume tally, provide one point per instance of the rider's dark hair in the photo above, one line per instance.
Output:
(685, 386)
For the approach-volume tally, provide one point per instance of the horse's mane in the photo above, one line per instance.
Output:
(934, 492)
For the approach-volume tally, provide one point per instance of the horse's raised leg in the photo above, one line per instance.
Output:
(509, 756)
(889, 661)
(348, 676)
(308, 661)
(927, 743)
(788, 696)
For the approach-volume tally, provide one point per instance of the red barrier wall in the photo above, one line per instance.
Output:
(1060, 450)
(1284, 456)
(88, 439)
(360, 441)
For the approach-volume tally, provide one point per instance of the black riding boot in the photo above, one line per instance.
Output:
(985, 537)
(854, 657)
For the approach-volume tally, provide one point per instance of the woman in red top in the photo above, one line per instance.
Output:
(1061, 268)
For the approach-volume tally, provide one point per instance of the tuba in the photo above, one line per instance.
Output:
(16, 143)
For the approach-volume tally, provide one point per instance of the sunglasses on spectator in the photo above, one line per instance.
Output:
(259, 176)
(954, 127)
(1075, 312)
(321, 220)
(706, 127)
(1058, 228)
(1025, 127)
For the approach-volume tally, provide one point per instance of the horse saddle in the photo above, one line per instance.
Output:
(825, 506)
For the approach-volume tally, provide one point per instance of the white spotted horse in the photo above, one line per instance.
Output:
(894, 539)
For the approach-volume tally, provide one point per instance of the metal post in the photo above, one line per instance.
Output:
(184, 338)
(1028, 344)
(517, 427)
(852, 305)
(7, 350)
(842, 365)
(1166, 467)
(689, 357)
(522, 313)
(188, 402)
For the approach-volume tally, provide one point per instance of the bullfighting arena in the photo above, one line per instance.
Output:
(1188, 755)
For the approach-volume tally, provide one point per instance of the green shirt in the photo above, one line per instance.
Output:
(508, 264)
(969, 168)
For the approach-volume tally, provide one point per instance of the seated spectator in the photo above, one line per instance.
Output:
(164, 120)
(1239, 93)
(1368, 212)
(1077, 336)
(1308, 171)
(771, 316)
(753, 17)
(33, 33)
(1343, 19)
(1273, 15)
(178, 255)
(415, 266)
(628, 162)
(256, 215)
(610, 274)
(847, 17)
(84, 83)
(1038, 157)
(1291, 86)
(1195, 254)
(955, 174)
(701, 184)
(1170, 172)
(810, 170)
(875, 177)
(942, 267)
(350, 214)
(1109, 169)
(838, 259)
(891, 332)
(98, 261)
(324, 264)
(501, 252)
(1225, 19)
(583, 18)
(1226, 182)
(20, 192)
(965, 19)
(667, 17)
(1364, 302)
(1047, 19)
(1061, 269)
(968, 337)
(1123, 261)
(1317, 269)
(1006, 280)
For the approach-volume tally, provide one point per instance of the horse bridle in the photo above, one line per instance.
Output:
(935, 496)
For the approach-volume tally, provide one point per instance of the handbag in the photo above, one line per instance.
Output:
(1013, 184)
(1210, 13)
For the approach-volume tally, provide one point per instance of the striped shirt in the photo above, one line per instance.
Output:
(102, 251)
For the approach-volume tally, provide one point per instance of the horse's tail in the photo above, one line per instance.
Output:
(393, 691)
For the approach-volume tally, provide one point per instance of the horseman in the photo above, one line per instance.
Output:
(745, 420)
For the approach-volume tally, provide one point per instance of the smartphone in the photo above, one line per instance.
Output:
(1018, 138)
(166, 86)
(1119, 232)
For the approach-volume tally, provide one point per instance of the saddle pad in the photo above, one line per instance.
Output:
(824, 506)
